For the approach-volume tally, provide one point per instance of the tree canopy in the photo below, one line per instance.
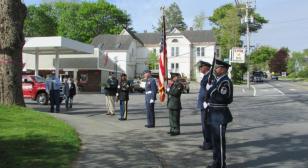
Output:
(174, 19)
(199, 21)
(278, 63)
(228, 28)
(261, 56)
(80, 21)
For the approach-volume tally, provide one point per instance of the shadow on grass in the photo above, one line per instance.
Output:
(36, 151)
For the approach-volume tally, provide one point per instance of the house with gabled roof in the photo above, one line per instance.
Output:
(184, 50)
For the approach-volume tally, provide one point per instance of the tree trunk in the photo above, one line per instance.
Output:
(12, 16)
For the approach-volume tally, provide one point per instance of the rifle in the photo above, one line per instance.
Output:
(212, 70)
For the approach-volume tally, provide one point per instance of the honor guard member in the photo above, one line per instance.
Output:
(174, 93)
(123, 96)
(204, 68)
(220, 95)
(53, 85)
(150, 97)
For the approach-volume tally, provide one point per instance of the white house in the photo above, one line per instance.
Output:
(184, 50)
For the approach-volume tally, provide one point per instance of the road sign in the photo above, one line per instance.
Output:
(237, 55)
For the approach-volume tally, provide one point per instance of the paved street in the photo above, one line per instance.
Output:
(269, 130)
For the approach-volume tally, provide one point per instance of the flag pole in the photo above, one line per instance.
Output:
(165, 50)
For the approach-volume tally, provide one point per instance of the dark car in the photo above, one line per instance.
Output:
(258, 76)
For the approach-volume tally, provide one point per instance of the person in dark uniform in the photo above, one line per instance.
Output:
(204, 68)
(123, 96)
(174, 93)
(150, 97)
(220, 94)
(69, 90)
(110, 92)
(53, 85)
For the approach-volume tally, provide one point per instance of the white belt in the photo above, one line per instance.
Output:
(148, 92)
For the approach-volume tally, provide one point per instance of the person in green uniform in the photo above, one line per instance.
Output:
(174, 104)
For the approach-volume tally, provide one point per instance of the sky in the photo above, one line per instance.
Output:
(287, 27)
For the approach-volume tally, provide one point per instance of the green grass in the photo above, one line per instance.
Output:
(30, 139)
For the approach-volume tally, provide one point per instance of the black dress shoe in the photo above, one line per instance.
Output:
(206, 147)
(174, 134)
(108, 113)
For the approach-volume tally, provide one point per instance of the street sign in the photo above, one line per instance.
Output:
(237, 55)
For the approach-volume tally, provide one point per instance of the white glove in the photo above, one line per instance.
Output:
(119, 86)
(208, 86)
(205, 105)
(117, 94)
(168, 89)
(151, 101)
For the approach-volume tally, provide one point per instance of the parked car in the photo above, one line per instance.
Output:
(135, 86)
(258, 76)
(34, 88)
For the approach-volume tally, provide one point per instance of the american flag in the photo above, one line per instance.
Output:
(163, 63)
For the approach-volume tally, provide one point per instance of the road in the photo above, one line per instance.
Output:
(269, 130)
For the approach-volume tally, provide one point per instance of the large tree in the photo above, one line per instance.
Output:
(40, 21)
(228, 27)
(12, 15)
(260, 57)
(86, 20)
(279, 62)
(174, 19)
(80, 21)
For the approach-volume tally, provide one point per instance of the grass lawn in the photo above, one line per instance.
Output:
(30, 139)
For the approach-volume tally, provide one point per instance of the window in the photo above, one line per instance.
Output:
(175, 51)
(175, 41)
(176, 67)
(154, 50)
(200, 51)
(172, 66)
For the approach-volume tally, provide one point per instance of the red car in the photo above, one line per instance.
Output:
(34, 88)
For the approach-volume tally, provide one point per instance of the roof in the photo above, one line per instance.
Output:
(51, 45)
(112, 42)
(122, 42)
(199, 36)
(149, 38)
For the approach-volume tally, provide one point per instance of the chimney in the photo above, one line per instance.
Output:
(145, 31)
(191, 29)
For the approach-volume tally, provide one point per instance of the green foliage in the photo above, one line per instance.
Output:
(228, 28)
(296, 62)
(199, 21)
(303, 73)
(80, 21)
(259, 58)
(152, 60)
(174, 18)
(39, 22)
(237, 72)
(31, 139)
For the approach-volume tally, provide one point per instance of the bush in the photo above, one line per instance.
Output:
(303, 74)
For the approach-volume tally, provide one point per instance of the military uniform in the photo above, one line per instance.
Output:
(150, 97)
(174, 106)
(220, 95)
(123, 96)
(201, 98)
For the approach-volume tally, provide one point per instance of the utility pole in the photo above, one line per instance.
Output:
(248, 20)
